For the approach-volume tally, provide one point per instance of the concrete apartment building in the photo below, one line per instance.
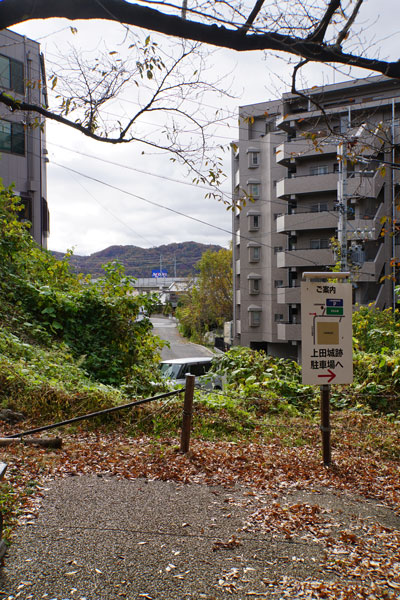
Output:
(286, 162)
(23, 154)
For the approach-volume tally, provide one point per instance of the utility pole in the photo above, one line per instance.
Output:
(342, 205)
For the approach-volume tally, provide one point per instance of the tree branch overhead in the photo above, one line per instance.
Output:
(227, 35)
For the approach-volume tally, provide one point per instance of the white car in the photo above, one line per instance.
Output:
(175, 369)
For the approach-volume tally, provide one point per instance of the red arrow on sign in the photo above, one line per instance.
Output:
(331, 375)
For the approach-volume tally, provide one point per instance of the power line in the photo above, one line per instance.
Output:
(177, 212)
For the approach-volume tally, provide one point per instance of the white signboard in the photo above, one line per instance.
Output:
(326, 332)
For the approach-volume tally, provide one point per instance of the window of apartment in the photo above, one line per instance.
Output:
(319, 244)
(254, 222)
(254, 316)
(254, 253)
(278, 317)
(45, 217)
(253, 158)
(320, 207)
(319, 170)
(11, 74)
(278, 249)
(254, 284)
(26, 213)
(254, 190)
(12, 137)
(278, 283)
(292, 278)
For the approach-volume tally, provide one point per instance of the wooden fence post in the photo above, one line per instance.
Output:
(187, 413)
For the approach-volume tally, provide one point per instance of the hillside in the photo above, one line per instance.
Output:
(139, 262)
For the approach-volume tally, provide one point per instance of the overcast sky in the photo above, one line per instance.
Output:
(100, 195)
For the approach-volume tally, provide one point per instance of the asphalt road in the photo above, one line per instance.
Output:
(167, 330)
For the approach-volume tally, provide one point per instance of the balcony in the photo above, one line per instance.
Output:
(288, 295)
(237, 267)
(306, 220)
(303, 148)
(288, 331)
(305, 258)
(371, 270)
(366, 227)
(363, 185)
(306, 184)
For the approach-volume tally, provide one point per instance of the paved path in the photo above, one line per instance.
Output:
(104, 539)
(167, 330)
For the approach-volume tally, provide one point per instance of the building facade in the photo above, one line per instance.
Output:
(305, 170)
(23, 153)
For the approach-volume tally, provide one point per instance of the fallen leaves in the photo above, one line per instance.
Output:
(360, 558)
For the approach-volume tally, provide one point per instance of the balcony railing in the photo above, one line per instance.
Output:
(288, 295)
(307, 184)
(305, 258)
(301, 221)
(288, 331)
(298, 148)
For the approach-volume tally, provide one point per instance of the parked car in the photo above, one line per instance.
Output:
(175, 369)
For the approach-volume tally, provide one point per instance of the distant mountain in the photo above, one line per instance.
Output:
(140, 262)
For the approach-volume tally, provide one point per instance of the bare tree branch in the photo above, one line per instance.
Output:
(343, 34)
(319, 33)
(12, 12)
(253, 15)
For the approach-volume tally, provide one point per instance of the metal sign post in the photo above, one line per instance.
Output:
(326, 334)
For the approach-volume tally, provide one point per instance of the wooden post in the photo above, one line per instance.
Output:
(3, 547)
(187, 413)
(325, 425)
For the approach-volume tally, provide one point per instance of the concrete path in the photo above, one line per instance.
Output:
(166, 328)
(103, 539)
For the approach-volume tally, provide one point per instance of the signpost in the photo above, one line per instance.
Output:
(326, 334)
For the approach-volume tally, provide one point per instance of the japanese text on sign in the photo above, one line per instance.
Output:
(327, 354)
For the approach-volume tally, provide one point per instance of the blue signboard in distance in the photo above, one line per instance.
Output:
(158, 273)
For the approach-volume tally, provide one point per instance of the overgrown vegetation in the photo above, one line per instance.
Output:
(67, 344)
(70, 345)
(207, 303)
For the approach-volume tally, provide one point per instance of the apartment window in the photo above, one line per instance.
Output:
(254, 190)
(25, 213)
(278, 249)
(253, 158)
(11, 74)
(278, 318)
(320, 207)
(254, 222)
(278, 283)
(254, 284)
(319, 170)
(254, 316)
(45, 217)
(12, 137)
(319, 244)
(254, 253)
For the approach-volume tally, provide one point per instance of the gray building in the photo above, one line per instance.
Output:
(22, 135)
(286, 167)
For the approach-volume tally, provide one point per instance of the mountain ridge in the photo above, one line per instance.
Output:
(177, 258)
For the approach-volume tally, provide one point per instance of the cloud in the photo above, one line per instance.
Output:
(90, 215)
